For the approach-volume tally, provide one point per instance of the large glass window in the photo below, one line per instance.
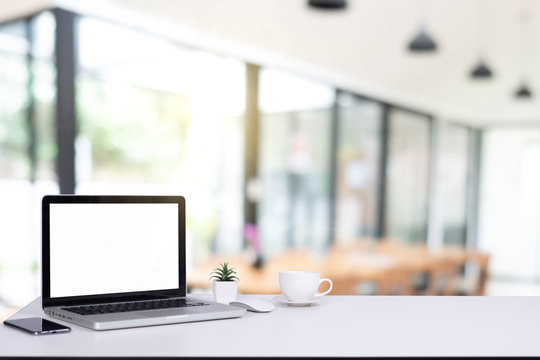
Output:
(294, 162)
(27, 151)
(157, 118)
(358, 168)
(408, 176)
(453, 181)
(14, 162)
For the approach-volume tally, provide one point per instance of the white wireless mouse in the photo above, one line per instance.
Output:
(254, 305)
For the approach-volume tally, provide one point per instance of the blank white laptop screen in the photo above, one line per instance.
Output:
(113, 248)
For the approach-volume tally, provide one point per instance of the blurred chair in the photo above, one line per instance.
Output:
(346, 286)
(396, 281)
(356, 267)
(475, 276)
(414, 262)
(444, 271)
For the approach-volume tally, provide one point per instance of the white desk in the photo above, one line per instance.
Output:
(340, 326)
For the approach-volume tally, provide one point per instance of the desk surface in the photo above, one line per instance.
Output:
(336, 326)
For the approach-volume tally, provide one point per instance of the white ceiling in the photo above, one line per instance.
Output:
(362, 48)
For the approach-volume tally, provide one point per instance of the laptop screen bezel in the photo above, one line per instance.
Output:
(47, 301)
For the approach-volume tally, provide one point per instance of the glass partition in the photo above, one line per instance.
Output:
(14, 79)
(157, 118)
(359, 151)
(294, 162)
(453, 181)
(27, 151)
(408, 176)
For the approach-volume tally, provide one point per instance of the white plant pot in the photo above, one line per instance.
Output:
(224, 291)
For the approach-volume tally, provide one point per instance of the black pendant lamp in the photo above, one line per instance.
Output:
(523, 92)
(481, 70)
(422, 42)
(328, 4)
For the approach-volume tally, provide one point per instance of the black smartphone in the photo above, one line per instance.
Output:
(38, 326)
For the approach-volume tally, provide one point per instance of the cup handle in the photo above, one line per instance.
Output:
(327, 291)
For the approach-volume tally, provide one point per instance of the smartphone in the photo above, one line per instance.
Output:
(38, 326)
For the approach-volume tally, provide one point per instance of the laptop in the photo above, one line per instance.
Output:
(113, 262)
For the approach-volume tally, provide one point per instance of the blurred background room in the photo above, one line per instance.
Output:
(392, 145)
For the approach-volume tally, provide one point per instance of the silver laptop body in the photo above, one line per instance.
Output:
(112, 262)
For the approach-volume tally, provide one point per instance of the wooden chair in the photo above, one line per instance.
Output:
(357, 269)
(346, 286)
(443, 273)
(475, 277)
(413, 264)
(396, 281)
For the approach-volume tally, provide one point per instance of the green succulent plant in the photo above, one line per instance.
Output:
(224, 273)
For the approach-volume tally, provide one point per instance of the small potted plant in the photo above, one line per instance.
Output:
(225, 283)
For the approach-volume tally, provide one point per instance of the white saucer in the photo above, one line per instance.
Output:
(282, 299)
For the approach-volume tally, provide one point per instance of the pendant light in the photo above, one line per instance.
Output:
(328, 4)
(422, 42)
(523, 91)
(481, 70)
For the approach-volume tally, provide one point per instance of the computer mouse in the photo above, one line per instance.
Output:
(255, 305)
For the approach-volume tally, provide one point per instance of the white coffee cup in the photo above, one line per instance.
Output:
(299, 285)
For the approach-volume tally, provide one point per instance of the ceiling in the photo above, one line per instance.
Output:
(363, 47)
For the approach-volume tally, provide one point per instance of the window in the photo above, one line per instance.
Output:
(408, 176)
(453, 181)
(157, 118)
(294, 162)
(27, 151)
(358, 168)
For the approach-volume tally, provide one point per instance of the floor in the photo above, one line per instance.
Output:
(501, 287)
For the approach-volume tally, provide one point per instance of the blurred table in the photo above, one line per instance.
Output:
(390, 266)
(252, 280)
(337, 326)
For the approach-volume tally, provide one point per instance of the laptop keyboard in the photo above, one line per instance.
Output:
(132, 306)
